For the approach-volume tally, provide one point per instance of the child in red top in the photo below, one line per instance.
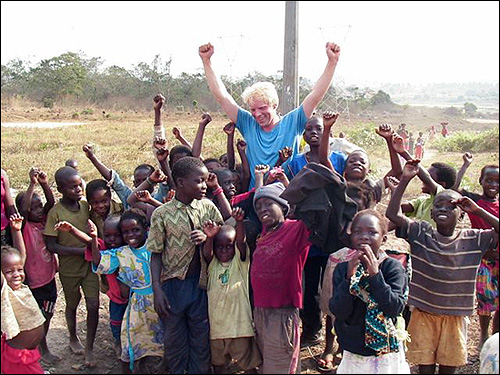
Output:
(41, 265)
(276, 278)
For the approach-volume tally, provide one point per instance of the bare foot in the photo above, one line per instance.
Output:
(89, 359)
(118, 350)
(50, 358)
(76, 347)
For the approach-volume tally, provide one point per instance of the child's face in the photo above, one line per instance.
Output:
(489, 182)
(224, 245)
(313, 131)
(367, 230)
(270, 212)
(100, 201)
(444, 212)
(72, 188)
(112, 235)
(13, 270)
(227, 183)
(262, 112)
(194, 186)
(223, 161)
(357, 166)
(140, 176)
(134, 234)
(36, 211)
(213, 165)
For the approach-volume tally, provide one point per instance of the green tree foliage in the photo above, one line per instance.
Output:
(470, 108)
(468, 141)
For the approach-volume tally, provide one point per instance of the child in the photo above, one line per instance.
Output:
(403, 133)
(230, 315)
(419, 146)
(487, 276)
(179, 271)
(41, 265)
(411, 143)
(117, 292)
(142, 331)
(445, 261)
(22, 320)
(74, 271)
(102, 205)
(276, 278)
(8, 209)
(444, 129)
(370, 293)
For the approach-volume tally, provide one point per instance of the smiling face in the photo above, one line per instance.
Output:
(112, 235)
(444, 212)
(366, 231)
(13, 270)
(100, 201)
(357, 166)
(270, 213)
(134, 234)
(489, 182)
(224, 244)
(264, 114)
(313, 132)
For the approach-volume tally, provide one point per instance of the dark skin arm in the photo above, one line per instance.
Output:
(329, 119)
(210, 228)
(178, 135)
(198, 140)
(239, 216)
(10, 207)
(222, 202)
(103, 170)
(283, 155)
(16, 224)
(28, 196)
(161, 304)
(49, 196)
(161, 154)
(133, 199)
(467, 158)
(245, 166)
(229, 130)
(386, 132)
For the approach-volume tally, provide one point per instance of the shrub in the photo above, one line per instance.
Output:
(88, 111)
(468, 141)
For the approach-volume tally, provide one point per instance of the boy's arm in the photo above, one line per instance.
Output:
(223, 203)
(67, 227)
(47, 191)
(241, 243)
(467, 158)
(28, 196)
(260, 171)
(393, 212)
(229, 130)
(245, 165)
(198, 140)
(386, 132)
(423, 174)
(154, 178)
(216, 85)
(180, 137)
(329, 119)
(103, 170)
(54, 247)
(323, 84)
(161, 304)
(16, 224)
(283, 155)
(159, 130)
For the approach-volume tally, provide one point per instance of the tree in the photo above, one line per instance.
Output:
(470, 108)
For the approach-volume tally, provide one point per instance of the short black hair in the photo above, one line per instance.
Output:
(183, 167)
(384, 222)
(63, 173)
(488, 166)
(219, 172)
(135, 214)
(212, 160)
(360, 192)
(179, 149)
(96, 185)
(147, 167)
(445, 173)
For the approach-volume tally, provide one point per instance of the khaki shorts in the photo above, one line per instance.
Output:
(71, 287)
(243, 350)
(437, 339)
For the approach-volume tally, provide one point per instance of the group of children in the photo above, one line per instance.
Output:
(202, 271)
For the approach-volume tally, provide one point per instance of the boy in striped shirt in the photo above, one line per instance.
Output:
(445, 262)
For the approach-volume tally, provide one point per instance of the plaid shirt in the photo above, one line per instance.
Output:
(169, 234)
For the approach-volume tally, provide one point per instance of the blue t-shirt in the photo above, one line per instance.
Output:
(262, 146)
(298, 162)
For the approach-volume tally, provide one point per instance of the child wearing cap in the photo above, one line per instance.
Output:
(276, 279)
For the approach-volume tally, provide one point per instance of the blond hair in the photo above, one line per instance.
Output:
(264, 91)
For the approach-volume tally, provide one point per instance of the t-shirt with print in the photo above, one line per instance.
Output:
(229, 311)
(262, 146)
(69, 265)
(277, 265)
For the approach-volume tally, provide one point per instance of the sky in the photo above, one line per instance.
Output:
(381, 42)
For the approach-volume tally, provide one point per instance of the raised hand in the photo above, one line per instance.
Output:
(63, 226)
(238, 214)
(160, 145)
(467, 157)
(197, 236)
(261, 169)
(329, 118)
(177, 132)
(211, 228)
(212, 181)
(333, 51)
(33, 175)
(92, 228)
(410, 169)
(205, 119)
(285, 154)
(241, 145)
(157, 176)
(392, 183)
(398, 143)
(42, 177)
(16, 221)
(229, 128)
(206, 51)
(385, 131)
(467, 204)
(88, 149)
(143, 196)
(158, 101)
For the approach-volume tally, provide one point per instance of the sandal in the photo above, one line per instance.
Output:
(326, 364)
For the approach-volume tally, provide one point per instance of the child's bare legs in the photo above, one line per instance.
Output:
(326, 361)
(47, 356)
(74, 342)
(92, 321)
(484, 324)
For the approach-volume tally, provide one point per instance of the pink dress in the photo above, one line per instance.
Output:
(5, 219)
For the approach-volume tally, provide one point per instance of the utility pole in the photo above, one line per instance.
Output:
(290, 96)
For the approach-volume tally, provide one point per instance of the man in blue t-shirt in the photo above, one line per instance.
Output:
(264, 130)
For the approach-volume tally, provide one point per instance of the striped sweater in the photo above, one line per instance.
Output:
(444, 269)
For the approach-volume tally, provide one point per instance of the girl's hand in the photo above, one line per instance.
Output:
(211, 228)
(63, 226)
(467, 204)
(238, 214)
(212, 181)
(352, 265)
(92, 228)
(197, 237)
(16, 221)
(369, 260)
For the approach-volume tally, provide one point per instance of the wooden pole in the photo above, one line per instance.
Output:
(290, 95)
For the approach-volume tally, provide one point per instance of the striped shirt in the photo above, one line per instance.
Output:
(169, 234)
(444, 271)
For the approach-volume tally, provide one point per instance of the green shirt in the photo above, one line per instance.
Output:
(169, 234)
(422, 207)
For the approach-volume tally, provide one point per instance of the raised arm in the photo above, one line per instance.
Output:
(467, 158)
(241, 145)
(239, 216)
(159, 130)
(198, 140)
(180, 137)
(141, 199)
(469, 206)
(329, 119)
(386, 132)
(218, 193)
(103, 170)
(16, 224)
(216, 85)
(28, 196)
(161, 153)
(47, 191)
(323, 84)
(283, 155)
(229, 130)
(210, 228)
(260, 171)
(393, 212)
